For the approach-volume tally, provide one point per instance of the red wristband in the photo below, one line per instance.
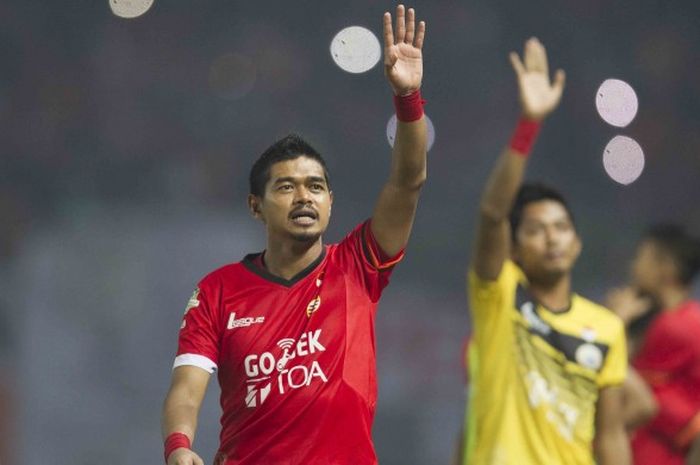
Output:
(524, 136)
(176, 441)
(409, 107)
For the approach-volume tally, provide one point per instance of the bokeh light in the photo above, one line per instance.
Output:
(616, 102)
(623, 159)
(355, 49)
(130, 8)
(391, 131)
(232, 76)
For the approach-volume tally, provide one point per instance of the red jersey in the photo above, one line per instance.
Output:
(669, 360)
(295, 359)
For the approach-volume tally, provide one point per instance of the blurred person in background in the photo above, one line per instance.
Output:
(8, 399)
(545, 364)
(291, 330)
(665, 322)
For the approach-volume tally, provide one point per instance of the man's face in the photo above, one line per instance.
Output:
(652, 268)
(546, 244)
(297, 201)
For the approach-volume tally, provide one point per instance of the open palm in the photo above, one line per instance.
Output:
(403, 58)
(538, 96)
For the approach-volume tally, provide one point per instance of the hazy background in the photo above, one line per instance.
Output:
(125, 147)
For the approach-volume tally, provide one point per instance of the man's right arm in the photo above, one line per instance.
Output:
(538, 98)
(639, 403)
(181, 408)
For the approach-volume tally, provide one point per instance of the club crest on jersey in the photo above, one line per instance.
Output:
(314, 305)
(589, 356)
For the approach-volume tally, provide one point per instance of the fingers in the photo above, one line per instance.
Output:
(540, 57)
(518, 66)
(406, 30)
(410, 25)
(400, 23)
(559, 81)
(420, 36)
(530, 55)
(388, 30)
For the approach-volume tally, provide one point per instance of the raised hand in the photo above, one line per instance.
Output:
(184, 457)
(403, 59)
(628, 304)
(538, 96)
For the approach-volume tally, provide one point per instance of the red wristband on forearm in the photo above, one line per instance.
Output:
(524, 136)
(175, 441)
(409, 107)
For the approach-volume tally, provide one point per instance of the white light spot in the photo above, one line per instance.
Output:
(616, 102)
(130, 8)
(623, 159)
(391, 131)
(232, 76)
(355, 49)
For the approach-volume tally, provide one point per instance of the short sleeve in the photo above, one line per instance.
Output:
(614, 369)
(198, 343)
(360, 254)
(488, 299)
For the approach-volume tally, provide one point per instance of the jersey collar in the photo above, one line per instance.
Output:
(250, 262)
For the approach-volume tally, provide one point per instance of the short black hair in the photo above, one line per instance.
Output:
(534, 192)
(288, 148)
(683, 248)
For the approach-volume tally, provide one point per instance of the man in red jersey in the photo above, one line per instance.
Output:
(668, 358)
(290, 331)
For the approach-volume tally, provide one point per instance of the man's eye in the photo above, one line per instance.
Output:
(285, 187)
(317, 187)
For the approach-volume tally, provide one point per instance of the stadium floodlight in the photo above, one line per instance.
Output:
(616, 102)
(391, 131)
(355, 49)
(130, 9)
(623, 159)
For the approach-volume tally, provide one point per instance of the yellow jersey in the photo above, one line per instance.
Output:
(535, 374)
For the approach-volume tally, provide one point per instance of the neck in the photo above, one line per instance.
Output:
(671, 297)
(286, 259)
(555, 295)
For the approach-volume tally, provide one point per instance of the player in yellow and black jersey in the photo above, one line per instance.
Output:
(545, 364)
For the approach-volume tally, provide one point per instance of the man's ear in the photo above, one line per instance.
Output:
(579, 246)
(254, 205)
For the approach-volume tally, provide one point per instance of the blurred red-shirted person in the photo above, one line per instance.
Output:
(668, 355)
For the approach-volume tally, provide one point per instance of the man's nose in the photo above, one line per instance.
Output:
(302, 195)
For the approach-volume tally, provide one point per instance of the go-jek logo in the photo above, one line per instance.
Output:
(261, 368)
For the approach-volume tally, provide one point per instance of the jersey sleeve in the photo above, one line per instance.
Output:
(489, 299)
(198, 342)
(360, 254)
(673, 348)
(614, 369)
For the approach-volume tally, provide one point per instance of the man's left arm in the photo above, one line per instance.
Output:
(395, 210)
(611, 443)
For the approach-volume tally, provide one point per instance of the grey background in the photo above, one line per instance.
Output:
(123, 168)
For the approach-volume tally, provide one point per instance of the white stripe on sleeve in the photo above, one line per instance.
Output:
(195, 360)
